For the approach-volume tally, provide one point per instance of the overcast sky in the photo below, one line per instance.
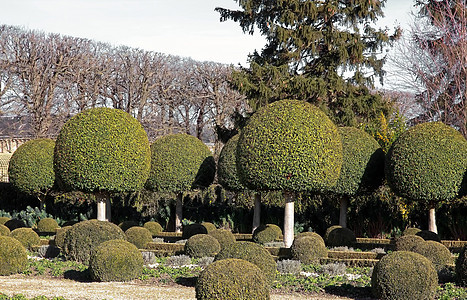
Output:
(189, 28)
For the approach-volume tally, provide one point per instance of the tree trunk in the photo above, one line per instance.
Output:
(288, 219)
(432, 219)
(179, 213)
(343, 212)
(257, 212)
(103, 207)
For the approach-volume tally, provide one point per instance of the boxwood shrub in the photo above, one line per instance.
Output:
(4, 230)
(225, 237)
(461, 267)
(27, 237)
(13, 256)
(266, 234)
(138, 236)
(227, 166)
(202, 245)
(308, 249)
(47, 225)
(154, 227)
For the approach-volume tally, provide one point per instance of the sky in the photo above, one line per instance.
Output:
(187, 28)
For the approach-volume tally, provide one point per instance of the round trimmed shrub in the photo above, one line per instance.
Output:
(266, 234)
(83, 237)
(461, 267)
(429, 235)
(192, 229)
(102, 149)
(27, 237)
(138, 236)
(154, 227)
(404, 275)
(362, 162)
(4, 230)
(411, 231)
(312, 234)
(436, 252)
(427, 163)
(308, 249)
(289, 145)
(31, 168)
(47, 225)
(180, 162)
(231, 279)
(253, 253)
(223, 236)
(13, 256)
(227, 166)
(209, 226)
(116, 260)
(408, 242)
(125, 225)
(202, 245)
(3, 220)
(336, 236)
(14, 223)
(60, 236)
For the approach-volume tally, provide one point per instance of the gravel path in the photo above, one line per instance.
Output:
(74, 290)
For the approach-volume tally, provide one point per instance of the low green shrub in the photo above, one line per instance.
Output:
(461, 267)
(138, 236)
(231, 279)
(436, 252)
(308, 249)
(201, 245)
(125, 225)
(13, 256)
(14, 223)
(253, 253)
(411, 231)
(312, 234)
(83, 237)
(192, 229)
(429, 235)
(224, 237)
(266, 234)
(339, 236)
(404, 275)
(3, 220)
(47, 225)
(116, 260)
(209, 226)
(60, 236)
(27, 237)
(4, 230)
(408, 242)
(154, 227)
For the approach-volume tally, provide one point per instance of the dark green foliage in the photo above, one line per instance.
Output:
(223, 236)
(31, 167)
(60, 236)
(411, 231)
(427, 163)
(461, 268)
(227, 166)
(13, 256)
(4, 230)
(138, 236)
(27, 237)
(209, 226)
(14, 223)
(266, 233)
(125, 225)
(180, 162)
(154, 227)
(232, 279)
(289, 145)
(436, 252)
(429, 235)
(408, 242)
(362, 163)
(83, 237)
(3, 220)
(192, 229)
(338, 236)
(308, 249)
(404, 275)
(253, 253)
(47, 225)
(116, 260)
(102, 149)
(202, 245)
(312, 234)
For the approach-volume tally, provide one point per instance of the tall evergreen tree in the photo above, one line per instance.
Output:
(325, 52)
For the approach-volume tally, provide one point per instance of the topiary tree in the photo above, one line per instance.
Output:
(26, 236)
(308, 249)
(202, 245)
(407, 242)
(290, 146)
(31, 168)
(362, 167)
(225, 237)
(154, 227)
(13, 256)
(427, 163)
(179, 163)
(102, 150)
(138, 236)
(227, 176)
(266, 234)
(47, 225)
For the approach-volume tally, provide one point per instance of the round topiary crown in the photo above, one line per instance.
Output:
(289, 145)
(227, 166)
(102, 149)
